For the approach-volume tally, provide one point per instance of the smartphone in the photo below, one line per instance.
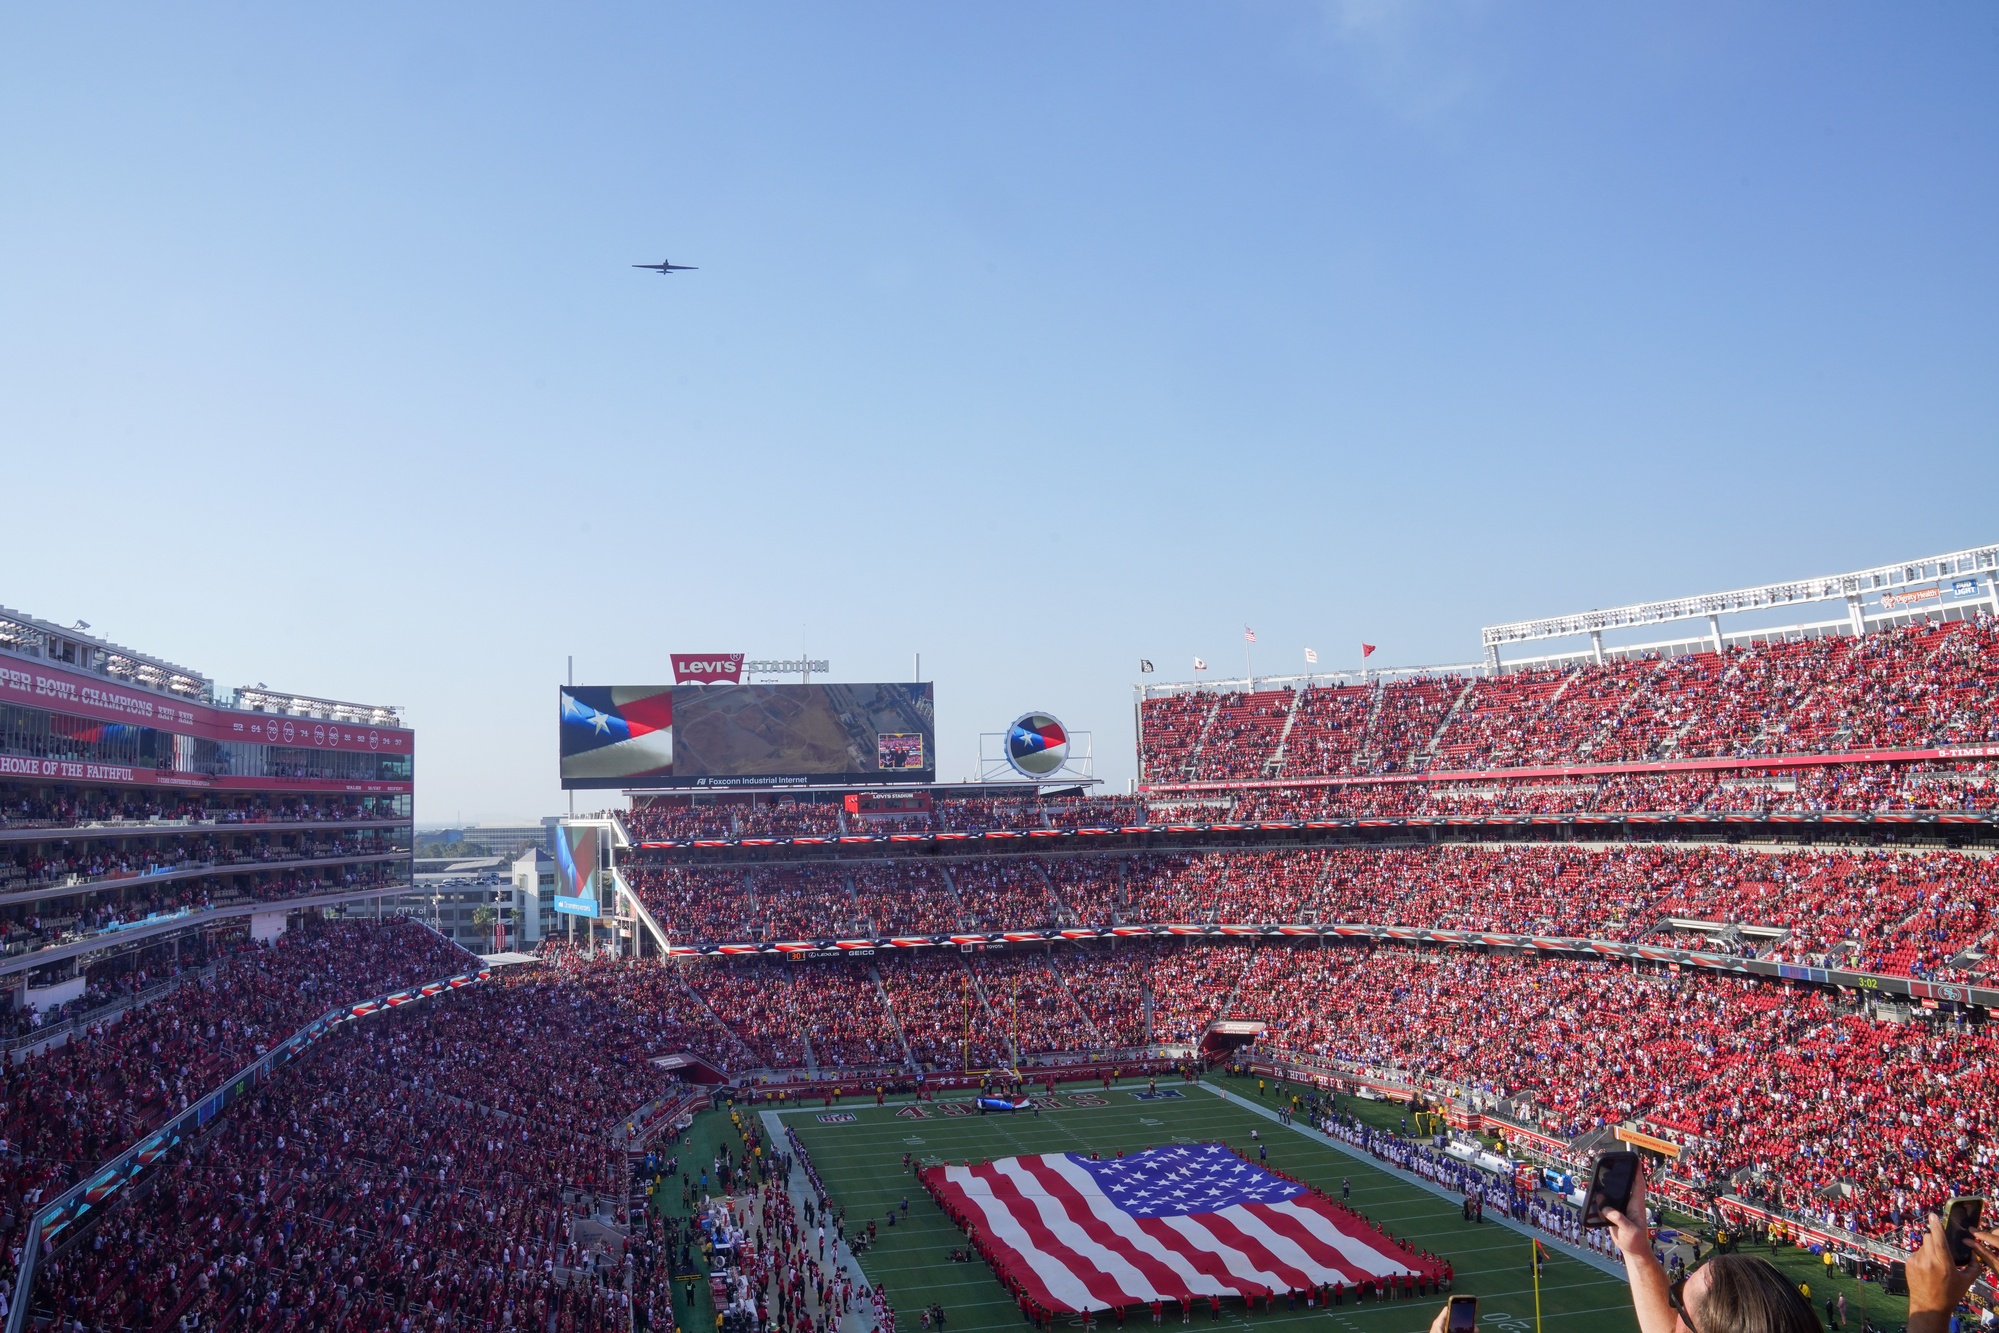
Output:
(1611, 1181)
(1959, 1221)
(1464, 1315)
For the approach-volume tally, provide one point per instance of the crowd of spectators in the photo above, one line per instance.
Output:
(1109, 986)
(1771, 1089)
(1939, 785)
(1934, 683)
(25, 867)
(1091, 888)
(429, 1164)
(906, 898)
(693, 904)
(1172, 726)
(656, 822)
(48, 922)
(1254, 887)
(1908, 913)
(973, 814)
(1928, 913)
(709, 906)
(802, 902)
(69, 1107)
(830, 1017)
(1242, 734)
(757, 817)
(1171, 886)
(405, 1176)
(793, 1016)
(1189, 987)
(408, 1170)
(672, 1016)
(1034, 1004)
(1326, 734)
(1959, 785)
(943, 1013)
(1094, 811)
(1003, 894)
(39, 806)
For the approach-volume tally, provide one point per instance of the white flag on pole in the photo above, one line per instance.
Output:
(1199, 665)
(1311, 658)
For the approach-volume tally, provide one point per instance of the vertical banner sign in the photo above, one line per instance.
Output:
(576, 856)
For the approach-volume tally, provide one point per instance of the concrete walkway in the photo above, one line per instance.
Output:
(861, 1318)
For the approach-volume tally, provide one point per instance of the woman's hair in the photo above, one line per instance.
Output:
(1746, 1294)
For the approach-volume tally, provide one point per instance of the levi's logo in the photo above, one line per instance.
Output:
(707, 668)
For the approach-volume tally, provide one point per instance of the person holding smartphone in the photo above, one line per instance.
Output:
(1730, 1293)
(1937, 1282)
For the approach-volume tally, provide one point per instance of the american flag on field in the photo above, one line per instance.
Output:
(1163, 1224)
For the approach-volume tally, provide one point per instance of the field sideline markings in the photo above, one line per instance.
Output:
(1345, 1312)
(1387, 1200)
(862, 1316)
(1548, 1239)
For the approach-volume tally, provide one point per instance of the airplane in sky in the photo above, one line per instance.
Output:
(667, 267)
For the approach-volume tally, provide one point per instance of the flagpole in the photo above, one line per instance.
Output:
(1534, 1261)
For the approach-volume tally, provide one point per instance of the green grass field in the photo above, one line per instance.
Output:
(861, 1164)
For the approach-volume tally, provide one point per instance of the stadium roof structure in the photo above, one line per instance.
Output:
(1850, 588)
(71, 646)
(1952, 584)
(260, 699)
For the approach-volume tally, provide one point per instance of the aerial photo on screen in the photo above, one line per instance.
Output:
(805, 730)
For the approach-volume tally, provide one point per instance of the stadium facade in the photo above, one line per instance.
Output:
(1708, 895)
(1789, 785)
(142, 809)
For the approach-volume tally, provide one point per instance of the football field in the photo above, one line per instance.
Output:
(858, 1151)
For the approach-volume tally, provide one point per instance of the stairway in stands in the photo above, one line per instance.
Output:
(1273, 767)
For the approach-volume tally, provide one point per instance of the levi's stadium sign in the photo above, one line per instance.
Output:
(707, 668)
(785, 666)
(730, 668)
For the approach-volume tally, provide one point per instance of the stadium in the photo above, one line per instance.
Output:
(1375, 962)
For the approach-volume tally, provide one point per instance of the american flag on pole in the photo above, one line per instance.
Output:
(1164, 1224)
(1248, 634)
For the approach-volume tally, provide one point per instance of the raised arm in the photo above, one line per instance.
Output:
(1648, 1279)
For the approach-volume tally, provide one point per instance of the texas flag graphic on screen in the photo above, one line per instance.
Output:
(616, 733)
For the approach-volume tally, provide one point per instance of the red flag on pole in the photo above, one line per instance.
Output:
(1366, 649)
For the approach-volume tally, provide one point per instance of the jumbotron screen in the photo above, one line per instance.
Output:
(747, 735)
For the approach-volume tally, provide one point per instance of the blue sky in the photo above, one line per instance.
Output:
(1034, 338)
